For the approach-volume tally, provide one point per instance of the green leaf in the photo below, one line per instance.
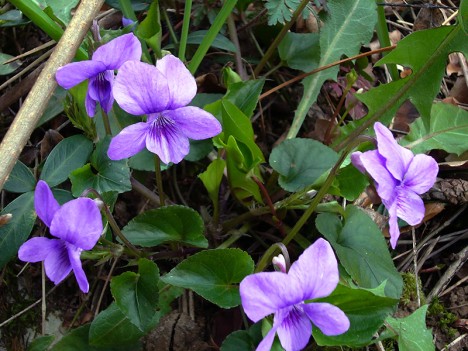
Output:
(12, 18)
(300, 50)
(62, 9)
(166, 224)
(366, 312)
(244, 95)
(362, 250)
(71, 153)
(348, 26)
(412, 332)
(240, 174)
(425, 52)
(55, 106)
(150, 28)
(110, 331)
(447, 129)
(242, 153)
(17, 230)
(300, 162)
(237, 124)
(10, 67)
(136, 294)
(212, 178)
(41, 343)
(245, 340)
(213, 274)
(20, 179)
(220, 41)
(351, 182)
(101, 173)
(463, 13)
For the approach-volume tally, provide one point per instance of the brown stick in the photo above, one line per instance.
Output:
(36, 102)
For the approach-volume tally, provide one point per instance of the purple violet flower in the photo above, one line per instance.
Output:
(100, 71)
(313, 275)
(162, 93)
(399, 177)
(77, 225)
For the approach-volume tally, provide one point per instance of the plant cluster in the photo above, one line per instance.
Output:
(139, 115)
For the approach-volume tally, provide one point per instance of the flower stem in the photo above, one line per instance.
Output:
(105, 120)
(312, 207)
(159, 183)
(185, 29)
(113, 223)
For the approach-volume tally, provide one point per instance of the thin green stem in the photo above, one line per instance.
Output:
(384, 39)
(280, 37)
(113, 223)
(171, 28)
(219, 21)
(31, 10)
(105, 120)
(159, 183)
(310, 210)
(185, 29)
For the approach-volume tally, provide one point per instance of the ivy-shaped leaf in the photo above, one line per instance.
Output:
(361, 248)
(136, 294)
(70, 154)
(166, 224)
(20, 179)
(101, 173)
(300, 162)
(17, 230)
(213, 274)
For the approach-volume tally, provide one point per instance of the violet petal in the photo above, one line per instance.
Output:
(316, 270)
(76, 72)
(397, 158)
(181, 84)
(356, 161)
(375, 166)
(409, 206)
(57, 264)
(44, 203)
(421, 174)
(100, 89)
(267, 342)
(74, 256)
(36, 249)
(328, 318)
(141, 89)
(118, 51)
(79, 223)
(194, 122)
(295, 330)
(267, 292)
(165, 140)
(394, 229)
(90, 105)
(130, 141)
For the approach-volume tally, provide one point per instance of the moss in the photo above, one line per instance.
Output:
(444, 318)
(410, 291)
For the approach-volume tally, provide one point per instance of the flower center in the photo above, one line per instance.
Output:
(162, 126)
